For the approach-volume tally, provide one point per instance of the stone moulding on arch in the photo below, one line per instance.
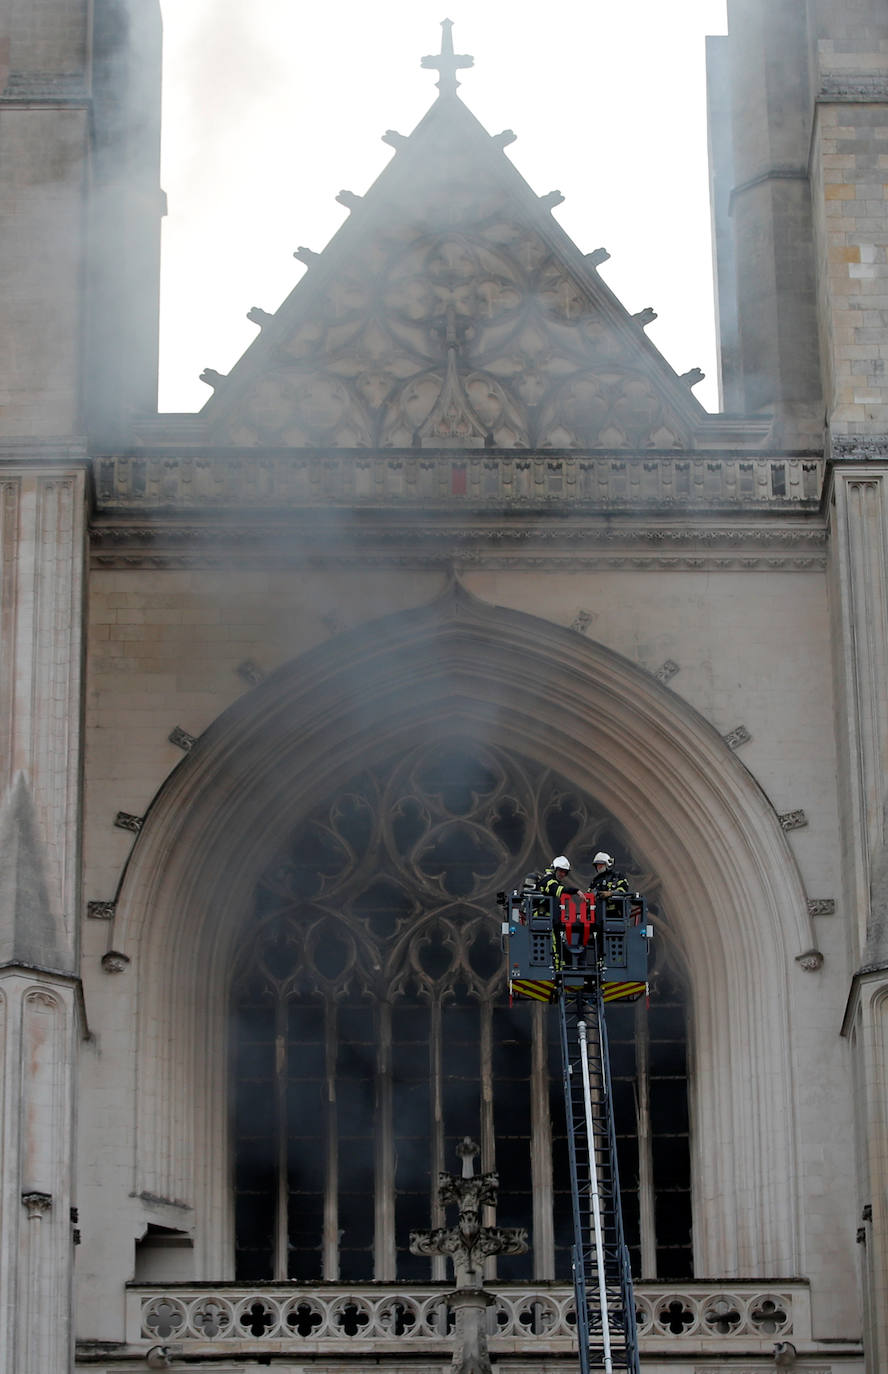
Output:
(692, 810)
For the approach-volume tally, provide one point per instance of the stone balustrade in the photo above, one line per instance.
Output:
(334, 1319)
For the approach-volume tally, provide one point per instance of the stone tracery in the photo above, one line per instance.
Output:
(460, 310)
(372, 961)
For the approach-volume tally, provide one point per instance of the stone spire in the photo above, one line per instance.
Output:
(468, 1244)
(447, 63)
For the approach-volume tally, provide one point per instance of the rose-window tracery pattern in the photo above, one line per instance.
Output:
(455, 325)
(372, 1032)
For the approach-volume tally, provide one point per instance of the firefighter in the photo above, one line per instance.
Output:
(607, 879)
(553, 879)
(553, 882)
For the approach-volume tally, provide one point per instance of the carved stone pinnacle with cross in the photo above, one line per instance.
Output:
(468, 1243)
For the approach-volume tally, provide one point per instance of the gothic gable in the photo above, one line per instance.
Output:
(451, 310)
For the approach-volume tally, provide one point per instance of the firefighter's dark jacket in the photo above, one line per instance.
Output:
(609, 881)
(552, 885)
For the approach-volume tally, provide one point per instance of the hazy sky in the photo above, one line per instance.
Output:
(271, 107)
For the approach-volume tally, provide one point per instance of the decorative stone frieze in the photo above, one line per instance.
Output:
(101, 911)
(45, 88)
(210, 559)
(739, 735)
(821, 906)
(854, 88)
(792, 820)
(124, 820)
(857, 447)
(587, 481)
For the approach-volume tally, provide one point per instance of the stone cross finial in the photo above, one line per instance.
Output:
(468, 1244)
(447, 63)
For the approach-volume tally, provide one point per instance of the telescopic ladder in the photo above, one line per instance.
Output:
(605, 1304)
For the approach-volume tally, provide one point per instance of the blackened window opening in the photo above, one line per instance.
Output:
(649, 1074)
(371, 1031)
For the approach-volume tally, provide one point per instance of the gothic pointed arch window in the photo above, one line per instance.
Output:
(371, 1031)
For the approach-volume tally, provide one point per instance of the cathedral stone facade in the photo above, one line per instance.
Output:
(451, 573)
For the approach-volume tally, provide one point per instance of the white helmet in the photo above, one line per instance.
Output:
(602, 858)
(561, 862)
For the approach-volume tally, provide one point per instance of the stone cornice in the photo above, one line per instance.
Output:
(853, 88)
(857, 448)
(54, 89)
(63, 451)
(487, 508)
(545, 545)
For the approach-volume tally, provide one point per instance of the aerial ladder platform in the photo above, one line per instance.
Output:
(578, 953)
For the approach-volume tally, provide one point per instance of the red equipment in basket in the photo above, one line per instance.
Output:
(578, 918)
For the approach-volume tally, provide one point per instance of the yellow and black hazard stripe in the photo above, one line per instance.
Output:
(622, 992)
(538, 991)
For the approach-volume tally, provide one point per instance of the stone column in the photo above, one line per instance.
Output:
(859, 573)
(858, 515)
(37, 1042)
(42, 544)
